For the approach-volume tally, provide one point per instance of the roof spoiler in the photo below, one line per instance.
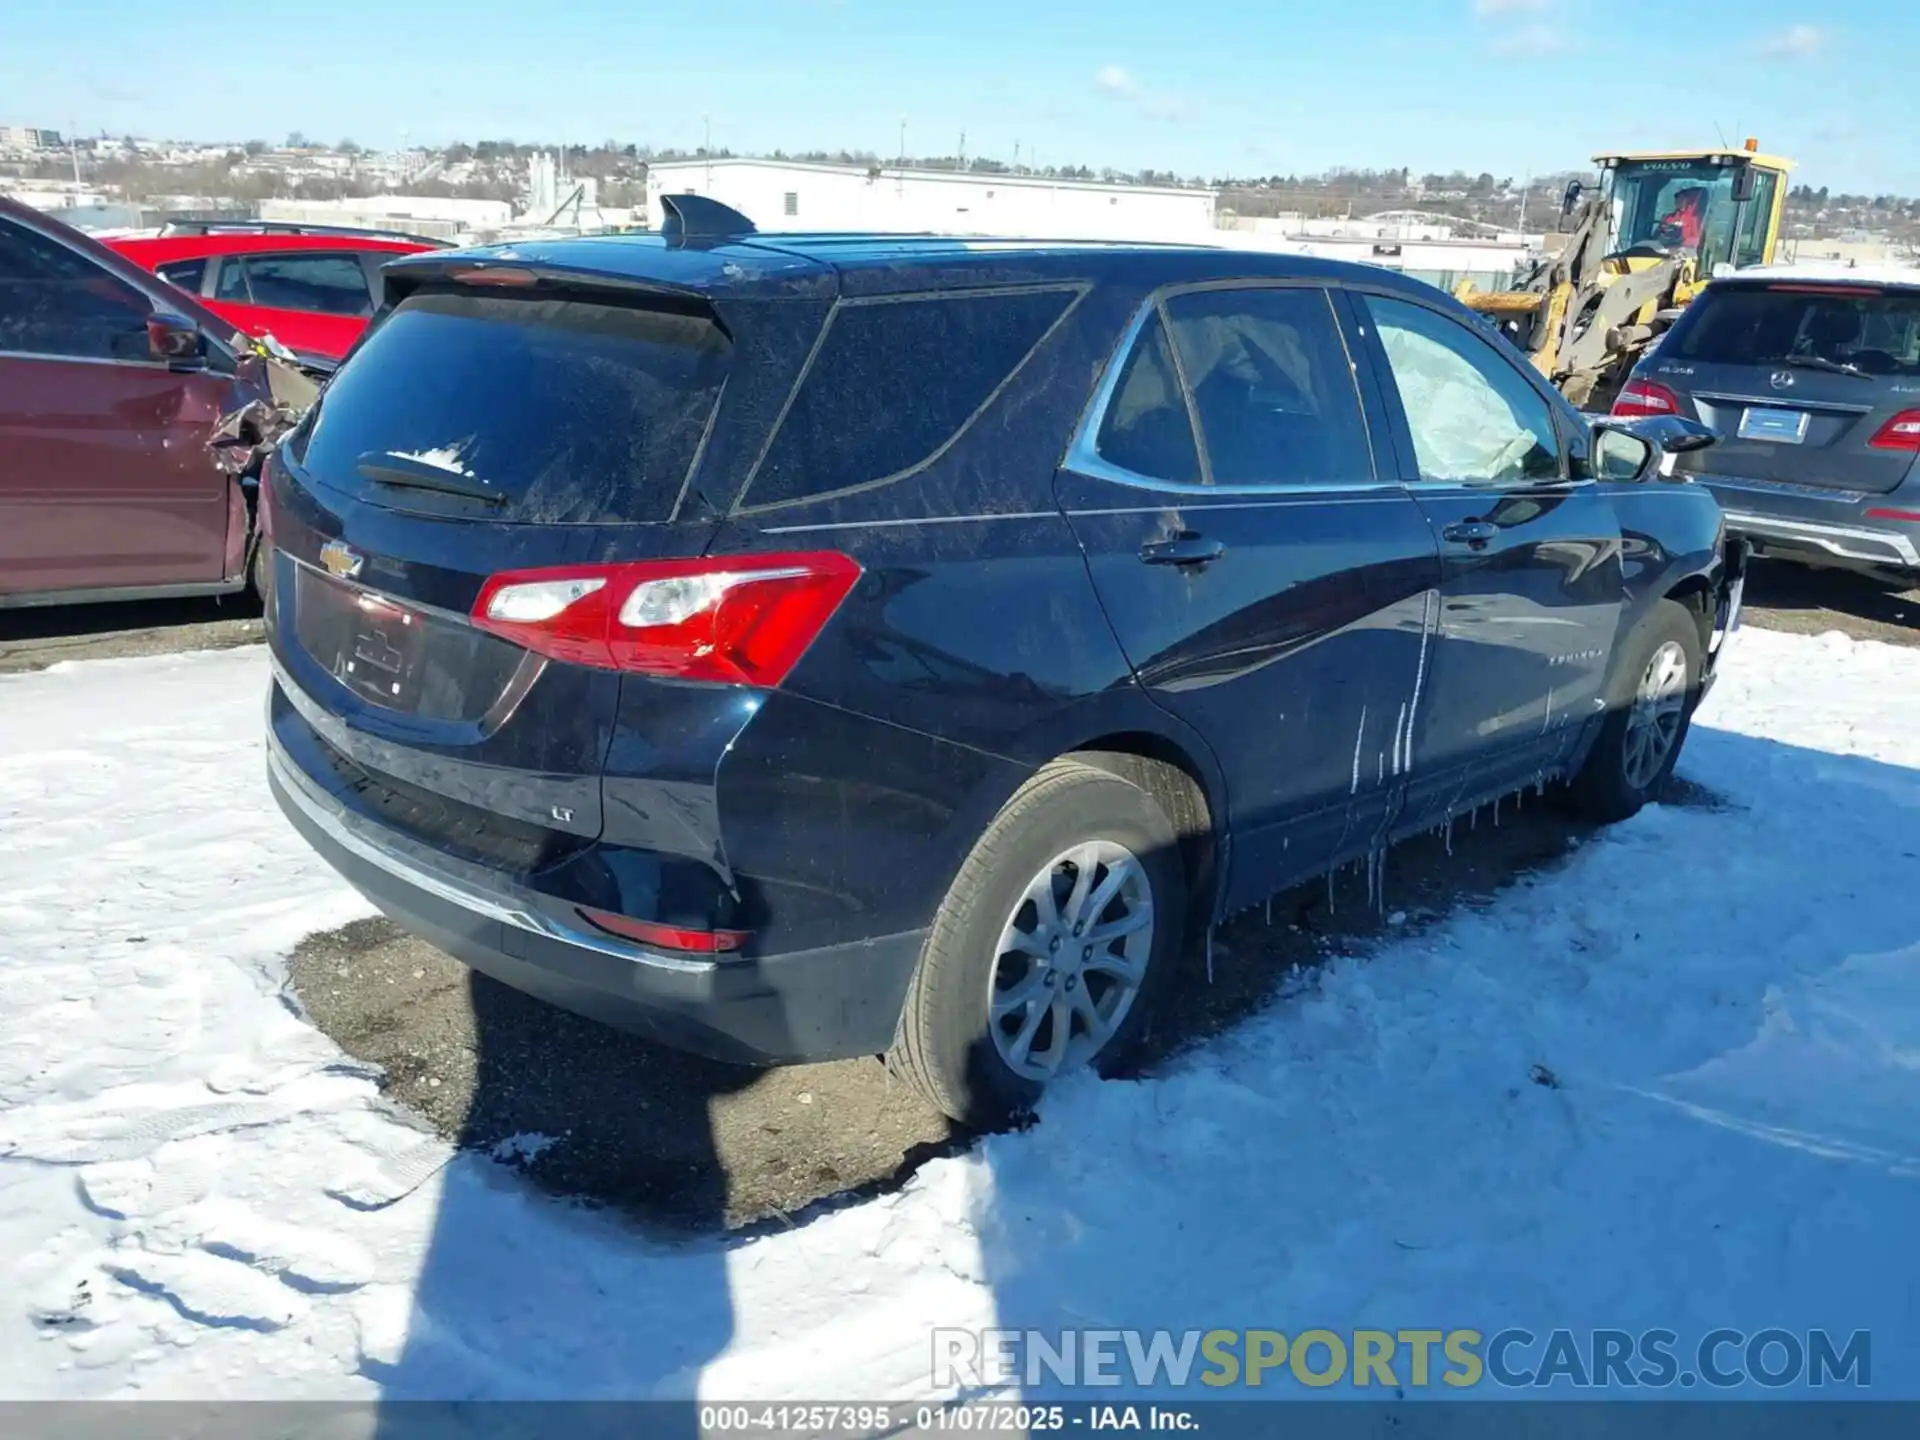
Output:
(694, 219)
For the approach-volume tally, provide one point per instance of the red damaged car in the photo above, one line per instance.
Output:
(311, 289)
(132, 420)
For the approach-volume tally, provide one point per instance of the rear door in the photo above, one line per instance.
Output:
(1531, 558)
(1800, 379)
(105, 480)
(313, 301)
(475, 433)
(1268, 585)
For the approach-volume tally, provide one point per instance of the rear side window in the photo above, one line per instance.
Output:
(577, 412)
(1876, 331)
(326, 284)
(893, 381)
(1271, 385)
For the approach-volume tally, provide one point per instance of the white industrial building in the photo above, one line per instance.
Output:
(793, 195)
(797, 196)
(434, 216)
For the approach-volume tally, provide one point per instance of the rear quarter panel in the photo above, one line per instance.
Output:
(972, 652)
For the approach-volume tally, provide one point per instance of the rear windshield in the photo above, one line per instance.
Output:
(574, 411)
(1877, 331)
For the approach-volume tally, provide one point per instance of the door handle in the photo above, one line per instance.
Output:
(1186, 548)
(1471, 532)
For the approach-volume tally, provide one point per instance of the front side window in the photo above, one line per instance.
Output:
(1473, 416)
(1272, 386)
(54, 301)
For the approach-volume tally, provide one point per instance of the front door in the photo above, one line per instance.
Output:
(105, 479)
(1267, 585)
(1531, 558)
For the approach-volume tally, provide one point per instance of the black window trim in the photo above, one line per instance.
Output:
(1083, 454)
(1078, 289)
(1401, 429)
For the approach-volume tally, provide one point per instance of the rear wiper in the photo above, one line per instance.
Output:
(1820, 362)
(385, 468)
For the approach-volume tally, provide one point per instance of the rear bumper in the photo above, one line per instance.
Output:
(1822, 526)
(1726, 619)
(1856, 544)
(823, 1004)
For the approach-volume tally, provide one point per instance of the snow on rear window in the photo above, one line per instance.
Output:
(579, 412)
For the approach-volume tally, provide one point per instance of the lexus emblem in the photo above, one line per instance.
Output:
(1783, 379)
(340, 560)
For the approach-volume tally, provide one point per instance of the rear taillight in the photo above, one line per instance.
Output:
(1643, 397)
(1902, 432)
(1883, 513)
(734, 620)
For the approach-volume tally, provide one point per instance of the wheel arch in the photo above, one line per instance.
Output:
(1696, 593)
(1178, 784)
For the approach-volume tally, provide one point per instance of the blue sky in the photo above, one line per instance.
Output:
(1196, 86)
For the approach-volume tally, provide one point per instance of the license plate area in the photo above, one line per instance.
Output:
(370, 644)
(401, 657)
(1780, 427)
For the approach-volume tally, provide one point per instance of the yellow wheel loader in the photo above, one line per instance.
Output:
(1659, 226)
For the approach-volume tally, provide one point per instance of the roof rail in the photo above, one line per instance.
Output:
(692, 219)
(286, 227)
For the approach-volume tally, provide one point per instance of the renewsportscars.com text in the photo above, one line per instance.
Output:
(1224, 1360)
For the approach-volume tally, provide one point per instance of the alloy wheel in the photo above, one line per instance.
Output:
(1071, 959)
(1659, 708)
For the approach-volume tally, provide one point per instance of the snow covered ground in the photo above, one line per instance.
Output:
(200, 1196)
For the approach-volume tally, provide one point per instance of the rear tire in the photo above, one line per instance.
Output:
(1000, 1002)
(257, 570)
(1650, 700)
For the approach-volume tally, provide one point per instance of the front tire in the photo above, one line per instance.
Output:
(1650, 705)
(1054, 948)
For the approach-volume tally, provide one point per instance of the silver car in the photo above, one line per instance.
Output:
(1811, 375)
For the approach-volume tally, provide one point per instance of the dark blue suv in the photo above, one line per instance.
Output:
(804, 646)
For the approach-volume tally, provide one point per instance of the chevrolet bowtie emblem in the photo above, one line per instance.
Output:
(341, 560)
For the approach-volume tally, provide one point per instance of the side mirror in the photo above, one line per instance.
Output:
(1745, 183)
(1629, 449)
(1570, 199)
(175, 340)
(1620, 456)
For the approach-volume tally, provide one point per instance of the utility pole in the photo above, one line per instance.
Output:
(963, 150)
(706, 148)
